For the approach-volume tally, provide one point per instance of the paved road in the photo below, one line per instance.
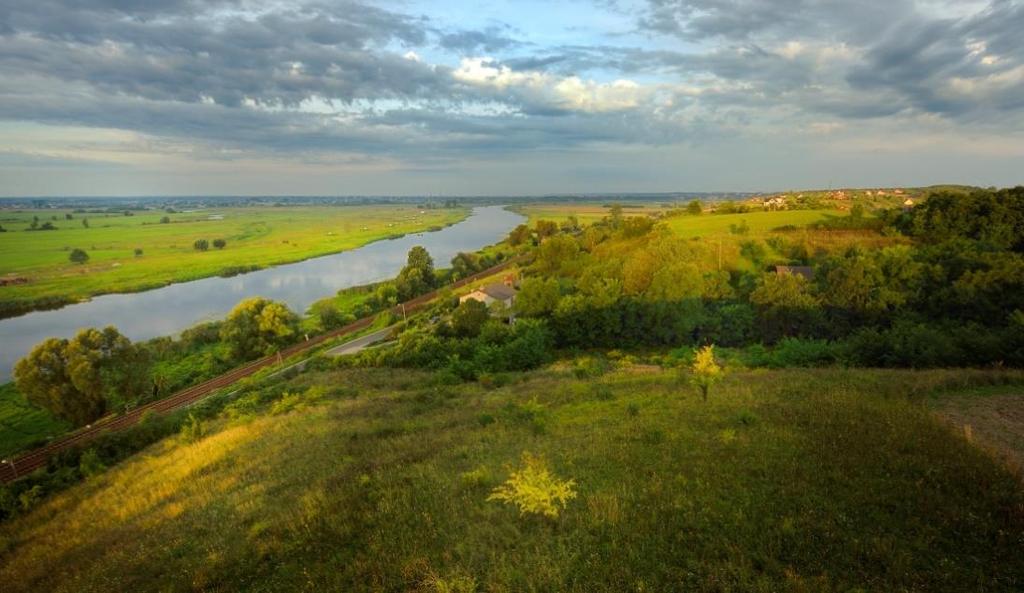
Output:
(359, 343)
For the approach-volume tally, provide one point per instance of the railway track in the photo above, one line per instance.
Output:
(29, 462)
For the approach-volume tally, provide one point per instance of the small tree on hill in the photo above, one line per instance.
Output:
(165, 219)
(78, 256)
(85, 223)
(694, 207)
(219, 243)
(201, 245)
(417, 277)
(705, 371)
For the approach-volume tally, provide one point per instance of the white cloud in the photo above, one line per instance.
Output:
(570, 93)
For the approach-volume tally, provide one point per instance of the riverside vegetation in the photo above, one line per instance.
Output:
(352, 475)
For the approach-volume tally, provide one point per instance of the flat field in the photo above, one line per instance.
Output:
(377, 480)
(260, 236)
(586, 213)
(758, 223)
(22, 424)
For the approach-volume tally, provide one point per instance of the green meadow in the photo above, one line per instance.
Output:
(21, 424)
(372, 480)
(257, 236)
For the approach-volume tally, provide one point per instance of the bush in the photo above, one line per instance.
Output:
(90, 464)
(201, 245)
(78, 256)
(192, 430)
(220, 243)
(796, 352)
(533, 489)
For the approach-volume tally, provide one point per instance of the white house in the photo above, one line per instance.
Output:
(492, 293)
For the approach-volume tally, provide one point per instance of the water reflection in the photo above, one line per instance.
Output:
(168, 310)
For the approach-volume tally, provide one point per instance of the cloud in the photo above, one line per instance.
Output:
(320, 82)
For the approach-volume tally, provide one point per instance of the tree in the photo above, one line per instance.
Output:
(537, 297)
(78, 256)
(219, 243)
(85, 223)
(201, 245)
(616, 215)
(519, 235)
(694, 208)
(417, 277)
(555, 253)
(571, 224)
(469, 317)
(165, 219)
(79, 380)
(258, 327)
(546, 228)
(705, 371)
(786, 305)
(465, 264)
(138, 252)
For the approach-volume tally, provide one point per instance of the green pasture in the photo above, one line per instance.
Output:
(22, 424)
(258, 236)
(758, 223)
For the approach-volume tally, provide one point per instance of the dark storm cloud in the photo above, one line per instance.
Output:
(903, 58)
(233, 74)
(920, 59)
(278, 57)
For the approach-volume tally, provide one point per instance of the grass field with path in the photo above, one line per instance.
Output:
(257, 236)
(795, 480)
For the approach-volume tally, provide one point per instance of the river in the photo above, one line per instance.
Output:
(168, 310)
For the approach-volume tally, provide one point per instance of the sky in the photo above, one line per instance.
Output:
(238, 97)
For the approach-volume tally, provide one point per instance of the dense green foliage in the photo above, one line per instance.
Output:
(955, 297)
(258, 327)
(81, 379)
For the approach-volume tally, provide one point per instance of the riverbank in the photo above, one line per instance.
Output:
(37, 274)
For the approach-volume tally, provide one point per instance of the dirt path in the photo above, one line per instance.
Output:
(993, 421)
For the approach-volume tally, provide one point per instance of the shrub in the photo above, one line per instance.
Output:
(192, 430)
(590, 366)
(533, 489)
(90, 464)
(796, 352)
(220, 243)
(78, 256)
(201, 245)
(705, 372)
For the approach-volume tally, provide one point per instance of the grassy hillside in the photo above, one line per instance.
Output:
(255, 236)
(797, 480)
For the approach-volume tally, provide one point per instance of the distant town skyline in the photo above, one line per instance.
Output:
(408, 97)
